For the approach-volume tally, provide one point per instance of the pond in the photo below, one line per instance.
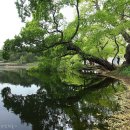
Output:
(53, 101)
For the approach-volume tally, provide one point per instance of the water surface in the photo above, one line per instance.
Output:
(56, 101)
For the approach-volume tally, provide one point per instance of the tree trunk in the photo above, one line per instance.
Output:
(127, 55)
(126, 37)
(104, 63)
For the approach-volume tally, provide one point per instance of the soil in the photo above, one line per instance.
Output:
(121, 119)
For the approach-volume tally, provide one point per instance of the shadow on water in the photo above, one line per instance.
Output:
(63, 101)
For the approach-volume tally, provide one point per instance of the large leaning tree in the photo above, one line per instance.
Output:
(100, 29)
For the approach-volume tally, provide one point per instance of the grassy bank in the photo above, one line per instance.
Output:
(122, 74)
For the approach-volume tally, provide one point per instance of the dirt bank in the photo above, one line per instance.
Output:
(17, 66)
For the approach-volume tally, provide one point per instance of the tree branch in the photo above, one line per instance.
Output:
(117, 46)
(96, 5)
(56, 23)
(66, 54)
(78, 22)
(126, 36)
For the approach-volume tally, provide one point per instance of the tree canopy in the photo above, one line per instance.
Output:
(99, 30)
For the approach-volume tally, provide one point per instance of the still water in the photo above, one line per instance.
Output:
(52, 101)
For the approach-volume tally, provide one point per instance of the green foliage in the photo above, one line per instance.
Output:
(32, 31)
(68, 32)
(100, 26)
(1, 55)
(5, 55)
(37, 8)
(124, 71)
(22, 60)
(93, 31)
(6, 49)
(48, 64)
(70, 63)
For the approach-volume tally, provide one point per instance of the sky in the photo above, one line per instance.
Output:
(10, 23)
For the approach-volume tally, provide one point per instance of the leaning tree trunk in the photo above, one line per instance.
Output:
(104, 63)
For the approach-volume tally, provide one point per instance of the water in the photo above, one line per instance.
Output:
(52, 101)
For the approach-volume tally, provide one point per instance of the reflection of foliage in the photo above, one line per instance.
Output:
(17, 77)
(59, 104)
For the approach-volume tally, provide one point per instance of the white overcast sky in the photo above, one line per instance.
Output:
(10, 23)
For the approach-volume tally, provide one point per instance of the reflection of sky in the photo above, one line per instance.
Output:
(8, 120)
(20, 90)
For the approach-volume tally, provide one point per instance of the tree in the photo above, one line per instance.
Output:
(99, 27)
(112, 21)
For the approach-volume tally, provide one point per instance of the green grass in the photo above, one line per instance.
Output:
(124, 71)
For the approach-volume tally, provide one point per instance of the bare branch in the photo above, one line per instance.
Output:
(78, 22)
(124, 15)
(56, 23)
(102, 47)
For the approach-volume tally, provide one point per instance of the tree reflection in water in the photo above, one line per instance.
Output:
(59, 104)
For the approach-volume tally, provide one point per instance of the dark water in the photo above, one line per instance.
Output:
(44, 101)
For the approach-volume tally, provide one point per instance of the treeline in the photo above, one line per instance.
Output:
(19, 57)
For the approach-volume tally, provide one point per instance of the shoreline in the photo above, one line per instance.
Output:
(10, 66)
(124, 79)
